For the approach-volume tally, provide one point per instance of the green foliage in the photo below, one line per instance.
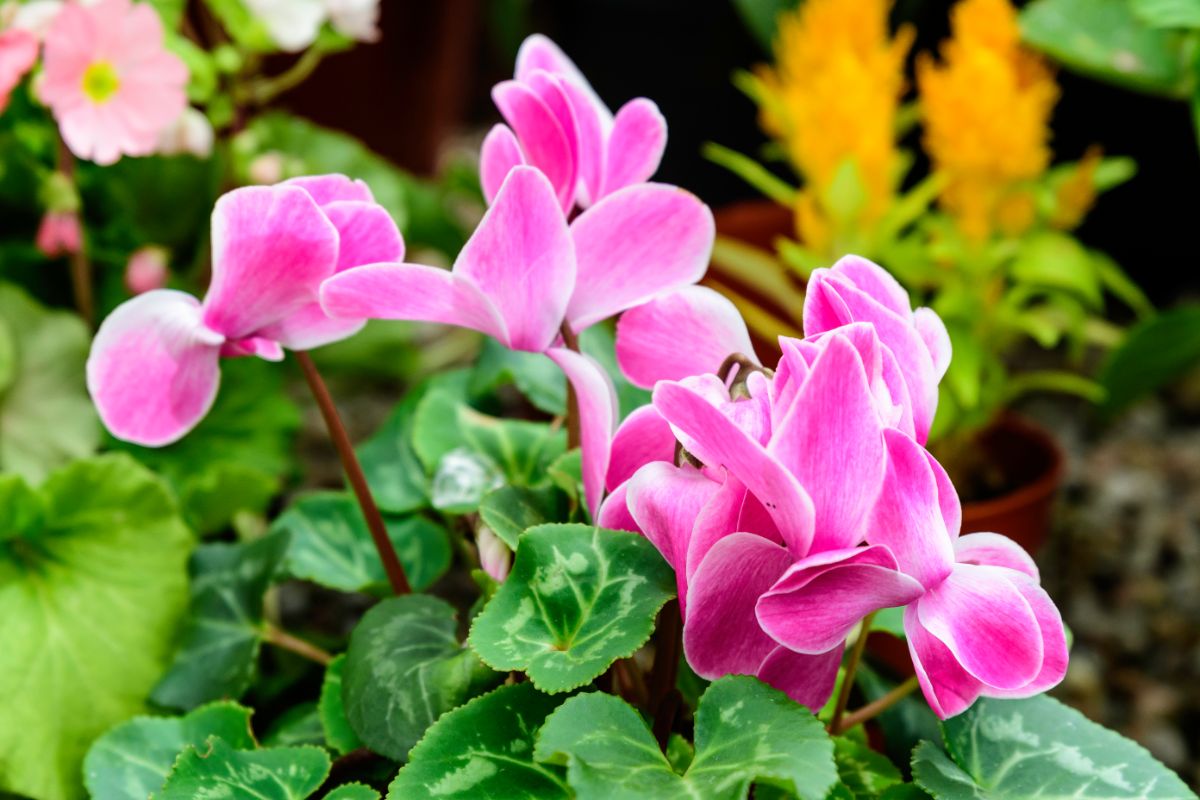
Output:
(862, 771)
(600, 343)
(331, 545)
(760, 17)
(91, 593)
(511, 510)
(1038, 748)
(219, 645)
(353, 791)
(404, 668)
(745, 731)
(578, 599)
(484, 749)
(46, 417)
(218, 770)
(534, 375)
(1153, 354)
(133, 760)
(298, 725)
(242, 25)
(339, 735)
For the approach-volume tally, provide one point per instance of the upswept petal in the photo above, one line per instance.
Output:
(689, 331)
(311, 327)
(635, 145)
(807, 679)
(272, 247)
(947, 687)
(591, 125)
(500, 153)
(543, 140)
(644, 436)
(598, 417)
(550, 89)
(635, 244)
(152, 371)
(819, 600)
(715, 520)
(721, 635)
(875, 281)
(539, 52)
(994, 550)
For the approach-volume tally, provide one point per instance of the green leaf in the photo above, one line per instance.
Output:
(132, 760)
(745, 731)
(21, 508)
(404, 668)
(534, 375)
(46, 417)
(1154, 353)
(484, 749)
(171, 12)
(863, 771)
(353, 791)
(760, 17)
(243, 26)
(220, 642)
(338, 733)
(202, 71)
(298, 725)
(1038, 748)
(511, 510)
(90, 597)
(1058, 261)
(889, 620)
(578, 599)
(217, 770)
(1104, 38)
(1167, 13)
(331, 545)
(214, 497)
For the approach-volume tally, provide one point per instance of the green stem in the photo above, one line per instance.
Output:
(293, 644)
(839, 708)
(876, 707)
(265, 90)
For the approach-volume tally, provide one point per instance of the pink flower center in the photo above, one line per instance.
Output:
(101, 82)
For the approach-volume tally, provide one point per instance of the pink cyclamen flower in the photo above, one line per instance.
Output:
(557, 123)
(60, 234)
(146, 270)
(856, 290)
(153, 371)
(983, 626)
(18, 53)
(111, 84)
(525, 273)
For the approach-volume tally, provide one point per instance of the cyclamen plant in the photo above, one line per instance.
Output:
(783, 508)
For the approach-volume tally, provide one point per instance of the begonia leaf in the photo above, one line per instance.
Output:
(339, 734)
(217, 770)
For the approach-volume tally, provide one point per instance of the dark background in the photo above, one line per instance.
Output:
(430, 75)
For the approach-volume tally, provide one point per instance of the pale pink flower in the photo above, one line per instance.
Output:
(18, 53)
(59, 234)
(190, 134)
(146, 270)
(109, 81)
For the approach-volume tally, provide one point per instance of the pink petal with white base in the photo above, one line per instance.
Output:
(643, 436)
(986, 622)
(690, 331)
(332, 188)
(717, 519)
(807, 679)
(721, 635)
(635, 145)
(543, 140)
(635, 244)
(367, 234)
(994, 550)
(947, 687)
(1054, 640)
(597, 401)
(539, 52)
(18, 53)
(500, 153)
(875, 281)
(152, 371)
(272, 247)
(819, 600)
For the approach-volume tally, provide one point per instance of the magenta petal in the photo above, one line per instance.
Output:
(591, 122)
(832, 441)
(947, 497)
(717, 519)
(598, 414)
(986, 622)
(819, 600)
(367, 234)
(721, 635)
(543, 140)
(933, 332)
(643, 436)
(650, 337)
(635, 244)
(539, 52)
(994, 550)
(807, 679)
(1054, 640)
(614, 511)
(635, 145)
(875, 281)
(551, 91)
(522, 259)
(947, 687)
(908, 517)
(311, 327)
(152, 371)
(777, 489)
(665, 500)
(499, 154)
(333, 188)
(272, 247)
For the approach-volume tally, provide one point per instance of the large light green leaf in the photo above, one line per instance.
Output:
(745, 731)
(404, 668)
(219, 646)
(91, 594)
(578, 599)
(1038, 748)
(216, 770)
(332, 546)
(46, 418)
(484, 749)
(133, 760)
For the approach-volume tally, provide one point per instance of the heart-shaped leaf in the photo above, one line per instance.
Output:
(511, 510)
(578, 599)
(338, 733)
(862, 771)
(218, 770)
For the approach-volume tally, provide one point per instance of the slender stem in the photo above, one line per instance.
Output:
(573, 435)
(80, 266)
(876, 707)
(293, 644)
(266, 90)
(848, 678)
(664, 701)
(358, 481)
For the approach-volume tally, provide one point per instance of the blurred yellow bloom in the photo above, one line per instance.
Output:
(1076, 195)
(987, 109)
(832, 95)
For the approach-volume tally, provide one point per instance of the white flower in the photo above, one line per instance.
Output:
(358, 19)
(34, 16)
(293, 24)
(190, 133)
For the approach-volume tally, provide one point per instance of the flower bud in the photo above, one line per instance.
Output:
(146, 269)
(59, 234)
(494, 555)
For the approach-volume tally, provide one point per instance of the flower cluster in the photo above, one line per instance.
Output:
(793, 503)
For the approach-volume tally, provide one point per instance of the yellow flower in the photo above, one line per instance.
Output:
(1076, 195)
(832, 95)
(987, 109)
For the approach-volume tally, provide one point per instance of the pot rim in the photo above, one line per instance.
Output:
(1033, 491)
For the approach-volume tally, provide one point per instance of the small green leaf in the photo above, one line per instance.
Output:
(889, 620)
(578, 598)
(242, 26)
(219, 645)
(217, 770)
(339, 735)
(353, 791)
(484, 749)
(534, 375)
(1058, 261)
(133, 760)
(404, 668)
(1060, 753)
(171, 11)
(1155, 352)
(511, 510)
(298, 725)
(863, 771)
(21, 508)
(745, 731)
(202, 72)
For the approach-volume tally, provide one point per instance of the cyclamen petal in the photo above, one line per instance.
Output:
(1054, 640)
(614, 511)
(332, 188)
(635, 145)
(807, 679)
(500, 153)
(994, 550)
(948, 688)
(644, 436)
(544, 143)
(538, 52)
(597, 401)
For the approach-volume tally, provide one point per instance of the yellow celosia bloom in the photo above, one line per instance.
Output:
(832, 95)
(987, 110)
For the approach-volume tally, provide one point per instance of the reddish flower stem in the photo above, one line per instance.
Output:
(877, 707)
(571, 341)
(839, 708)
(664, 697)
